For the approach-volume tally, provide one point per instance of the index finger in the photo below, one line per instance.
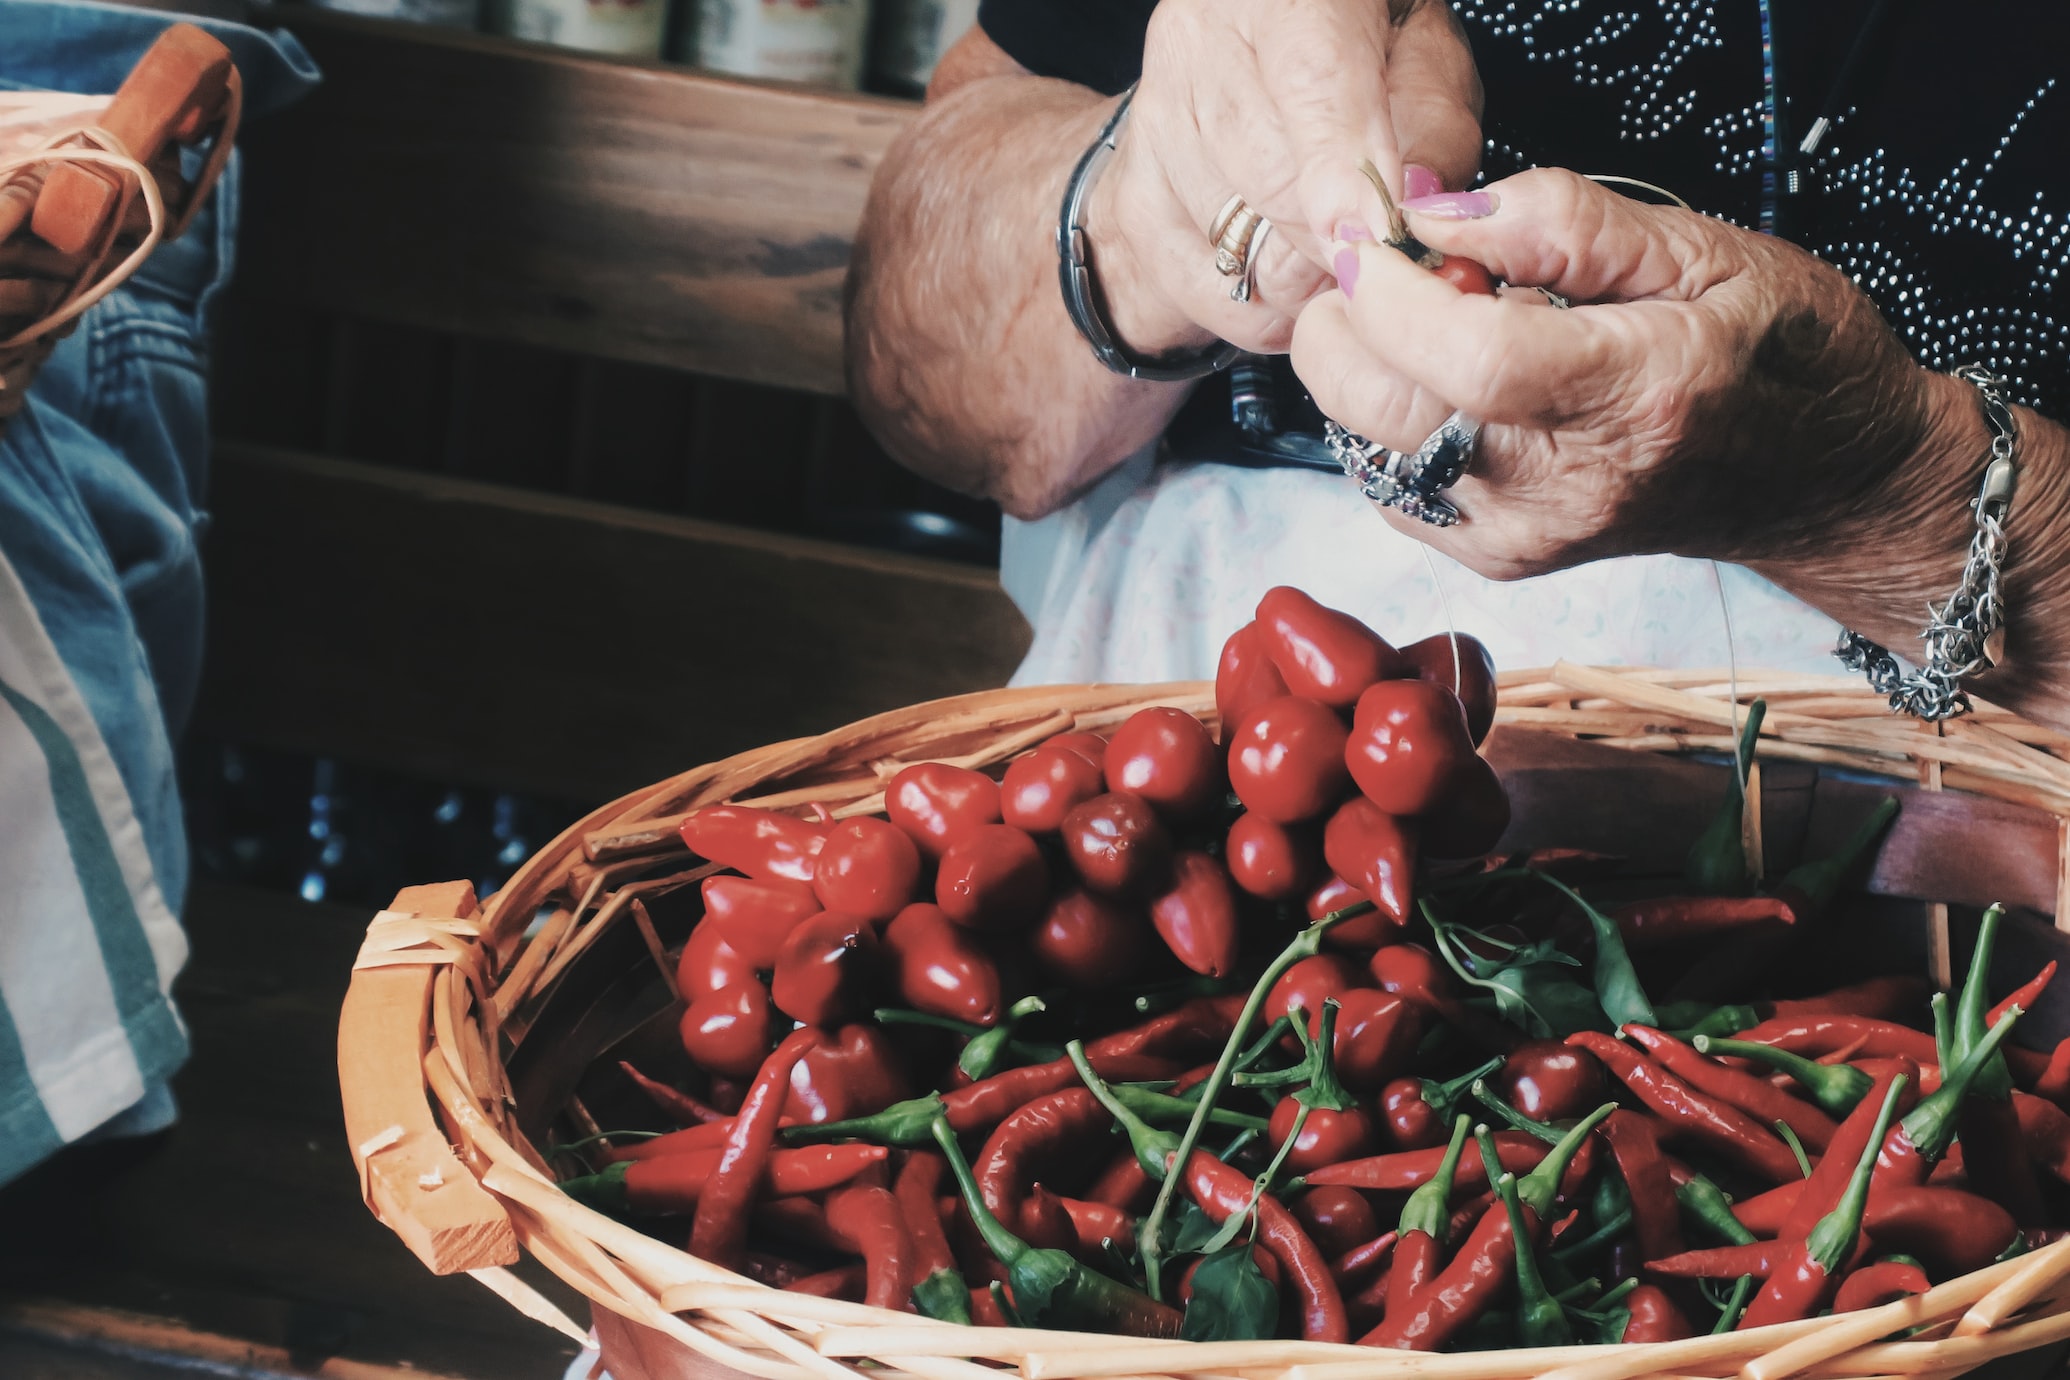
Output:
(1325, 67)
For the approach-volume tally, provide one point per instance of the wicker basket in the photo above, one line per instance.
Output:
(501, 1017)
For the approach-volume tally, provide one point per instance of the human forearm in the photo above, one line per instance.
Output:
(960, 354)
(1903, 548)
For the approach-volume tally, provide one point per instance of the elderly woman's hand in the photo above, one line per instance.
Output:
(1275, 101)
(1714, 392)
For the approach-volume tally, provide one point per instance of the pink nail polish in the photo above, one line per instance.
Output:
(1419, 181)
(1346, 264)
(1351, 231)
(1453, 205)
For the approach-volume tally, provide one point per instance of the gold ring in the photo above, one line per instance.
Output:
(1234, 228)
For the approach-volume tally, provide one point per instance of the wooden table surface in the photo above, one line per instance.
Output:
(237, 1243)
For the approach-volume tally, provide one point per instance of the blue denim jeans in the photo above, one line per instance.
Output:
(102, 479)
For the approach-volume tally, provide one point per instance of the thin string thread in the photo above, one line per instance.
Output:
(1451, 628)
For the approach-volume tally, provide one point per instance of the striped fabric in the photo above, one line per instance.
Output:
(88, 946)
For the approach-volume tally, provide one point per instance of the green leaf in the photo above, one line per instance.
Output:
(1232, 1300)
(1190, 1230)
(1531, 988)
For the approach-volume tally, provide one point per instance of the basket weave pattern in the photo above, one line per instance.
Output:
(444, 992)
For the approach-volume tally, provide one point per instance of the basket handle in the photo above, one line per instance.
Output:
(408, 1173)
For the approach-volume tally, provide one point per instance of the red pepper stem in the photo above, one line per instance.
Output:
(1972, 1019)
(1708, 1204)
(980, 1057)
(1428, 1209)
(1835, 1088)
(998, 1240)
(1931, 1125)
(1154, 1148)
(902, 1123)
(1515, 1119)
(1833, 1240)
(1307, 944)
(1444, 1097)
(1820, 881)
(1717, 862)
(1323, 1089)
(604, 1191)
(1540, 1319)
(1943, 1031)
(1542, 1185)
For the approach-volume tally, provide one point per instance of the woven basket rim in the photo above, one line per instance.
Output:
(477, 976)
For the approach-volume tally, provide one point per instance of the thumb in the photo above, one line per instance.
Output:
(1434, 97)
(1555, 229)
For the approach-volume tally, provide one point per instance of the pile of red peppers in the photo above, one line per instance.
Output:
(1162, 1035)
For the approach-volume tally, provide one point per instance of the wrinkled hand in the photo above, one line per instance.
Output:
(1277, 101)
(1714, 392)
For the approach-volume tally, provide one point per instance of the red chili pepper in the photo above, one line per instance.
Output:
(1090, 941)
(1043, 787)
(1656, 1220)
(844, 1282)
(918, 1189)
(719, 1234)
(1820, 1193)
(1327, 1137)
(1336, 1219)
(1221, 1191)
(1167, 757)
(1468, 1286)
(1671, 919)
(1864, 1038)
(1123, 1184)
(1365, 931)
(856, 1070)
(1467, 276)
(1459, 662)
(1408, 744)
(1196, 915)
(1091, 746)
(1245, 677)
(1883, 1282)
(2045, 1132)
(829, 969)
(993, 878)
(1725, 1128)
(1957, 1231)
(1118, 846)
(1472, 818)
(1422, 1232)
(1880, 998)
(1286, 760)
(709, 963)
(942, 968)
(2025, 995)
(1271, 861)
(1548, 1080)
(1756, 1258)
(1923, 1137)
(1409, 1169)
(1320, 652)
(1805, 1277)
(1091, 1231)
(1757, 1097)
(1361, 1261)
(937, 804)
(1377, 1035)
(2053, 1082)
(730, 1030)
(868, 1218)
(674, 1184)
(1048, 1133)
(1655, 1316)
(1989, 1127)
(1307, 985)
(754, 916)
(1375, 852)
(680, 1106)
(867, 867)
(1836, 1088)
(761, 843)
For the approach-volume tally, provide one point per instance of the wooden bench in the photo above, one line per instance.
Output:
(445, 197)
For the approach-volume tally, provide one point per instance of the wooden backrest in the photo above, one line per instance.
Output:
(475, 633)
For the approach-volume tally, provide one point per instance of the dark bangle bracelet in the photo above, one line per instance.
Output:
(1074, 270)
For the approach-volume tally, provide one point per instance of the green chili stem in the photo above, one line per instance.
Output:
(1742, 1295)
(1304, 945)
(1515, 1119)
(1834, 1088)
(1608, 1231)
(1832, 1240)
(1796, 1147)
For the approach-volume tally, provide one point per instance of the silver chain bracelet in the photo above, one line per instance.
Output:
(1958, 634)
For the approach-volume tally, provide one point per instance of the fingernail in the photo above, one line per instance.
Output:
(1418, 182)
(1353, 230)
(1453, 205)
(1346, 264)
